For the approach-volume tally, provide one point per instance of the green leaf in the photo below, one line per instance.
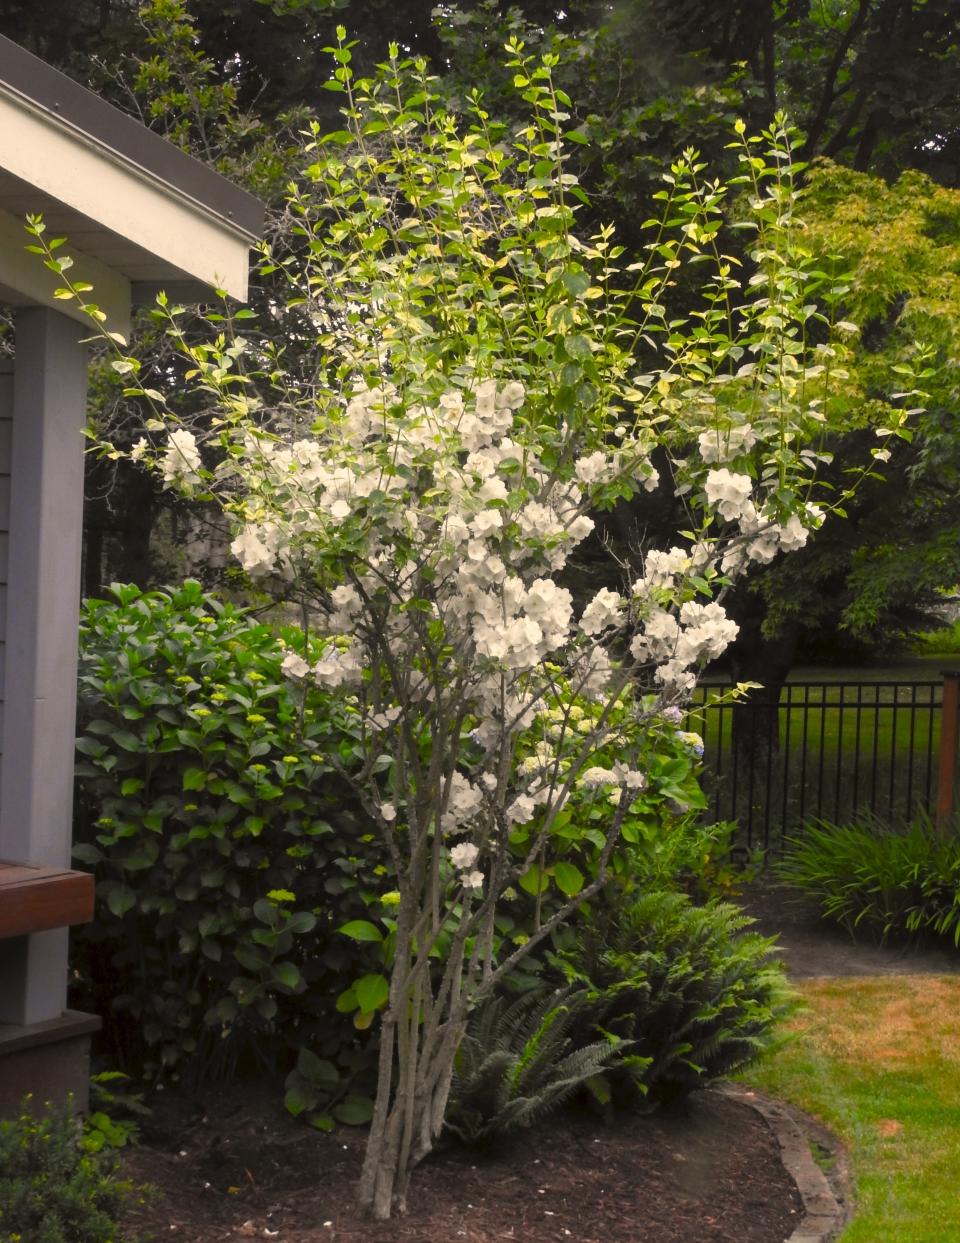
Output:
(576, 283)
(288, 974)
(361, 930)
(577, 346)
(569, 878)
(347, 1001)
(372, 992)
(194, 779)
(296, 1101)
(317, 1070)
(300, 922)
(121, 899)
(354, 1110)
(211, 949)
(534, 881)
(127, 741)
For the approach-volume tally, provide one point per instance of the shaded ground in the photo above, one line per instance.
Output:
(812, 946)
(708, 1172)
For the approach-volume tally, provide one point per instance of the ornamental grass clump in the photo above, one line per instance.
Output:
(888, 879)
(411, 449)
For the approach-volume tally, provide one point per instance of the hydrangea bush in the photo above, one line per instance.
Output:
(413, 449)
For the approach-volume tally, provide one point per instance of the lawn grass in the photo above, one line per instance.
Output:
(878, 1061)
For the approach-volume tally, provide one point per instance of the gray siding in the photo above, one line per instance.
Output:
(6, 442)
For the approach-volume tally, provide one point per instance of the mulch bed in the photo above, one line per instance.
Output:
(705, 1172)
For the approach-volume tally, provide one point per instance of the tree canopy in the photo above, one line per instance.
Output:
(871, 84)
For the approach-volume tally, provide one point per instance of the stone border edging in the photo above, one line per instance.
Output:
(823, 1212)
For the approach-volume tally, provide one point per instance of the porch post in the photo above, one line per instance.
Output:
(43, 595)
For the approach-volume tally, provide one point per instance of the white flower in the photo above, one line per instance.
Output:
(181, 462)
(660, 568)
(723, 446)
(464, 802)
(604, 610)
(464, 856)
(486, 521)
(388, 812)
(728, 491)
(472, 880)
(142, 445)
(521, 809)
(596, 776)
(339, 667)
(486, 396)
(596, 468)
(511, 396)
(253, 552)
(294, 666)
(793, 534)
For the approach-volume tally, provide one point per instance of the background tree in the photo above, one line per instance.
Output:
(869, 81)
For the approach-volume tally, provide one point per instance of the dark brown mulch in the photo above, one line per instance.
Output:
(706, 1172)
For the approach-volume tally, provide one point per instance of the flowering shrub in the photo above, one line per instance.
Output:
(461, 381)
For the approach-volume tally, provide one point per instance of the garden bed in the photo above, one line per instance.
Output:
(706, 1172)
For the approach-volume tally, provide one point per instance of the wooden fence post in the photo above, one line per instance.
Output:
(947, 768)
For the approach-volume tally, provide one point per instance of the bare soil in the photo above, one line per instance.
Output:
(237, 1167)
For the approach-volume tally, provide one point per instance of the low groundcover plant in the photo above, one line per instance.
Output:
(52, 1188)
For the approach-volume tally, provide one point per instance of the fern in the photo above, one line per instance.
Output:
(515, 1064)
(694, 991)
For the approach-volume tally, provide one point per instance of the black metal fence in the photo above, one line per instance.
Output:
(820, 750)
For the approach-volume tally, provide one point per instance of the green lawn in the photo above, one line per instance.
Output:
(878, 1061)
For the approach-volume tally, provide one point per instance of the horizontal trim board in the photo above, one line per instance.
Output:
(114, 199)
(24, 281)
(72, 107)
(34, 898)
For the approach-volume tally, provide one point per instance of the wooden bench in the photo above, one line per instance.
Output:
(34, 898)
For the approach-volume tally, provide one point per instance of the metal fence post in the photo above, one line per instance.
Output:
(947, 768)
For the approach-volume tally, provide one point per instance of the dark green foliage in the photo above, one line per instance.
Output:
(520, 1059)
(900, 879)
(51, 1189)
(225, 850)
(695, 992)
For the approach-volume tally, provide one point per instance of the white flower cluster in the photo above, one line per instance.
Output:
(464, 802)
(619, 775)
(679, 645)
(463, 857)
(729, 492)
(341, 665)
(717, 446)
(181, 463)
(454, 521)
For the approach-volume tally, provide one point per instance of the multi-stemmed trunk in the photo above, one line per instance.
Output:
(420, 1033)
